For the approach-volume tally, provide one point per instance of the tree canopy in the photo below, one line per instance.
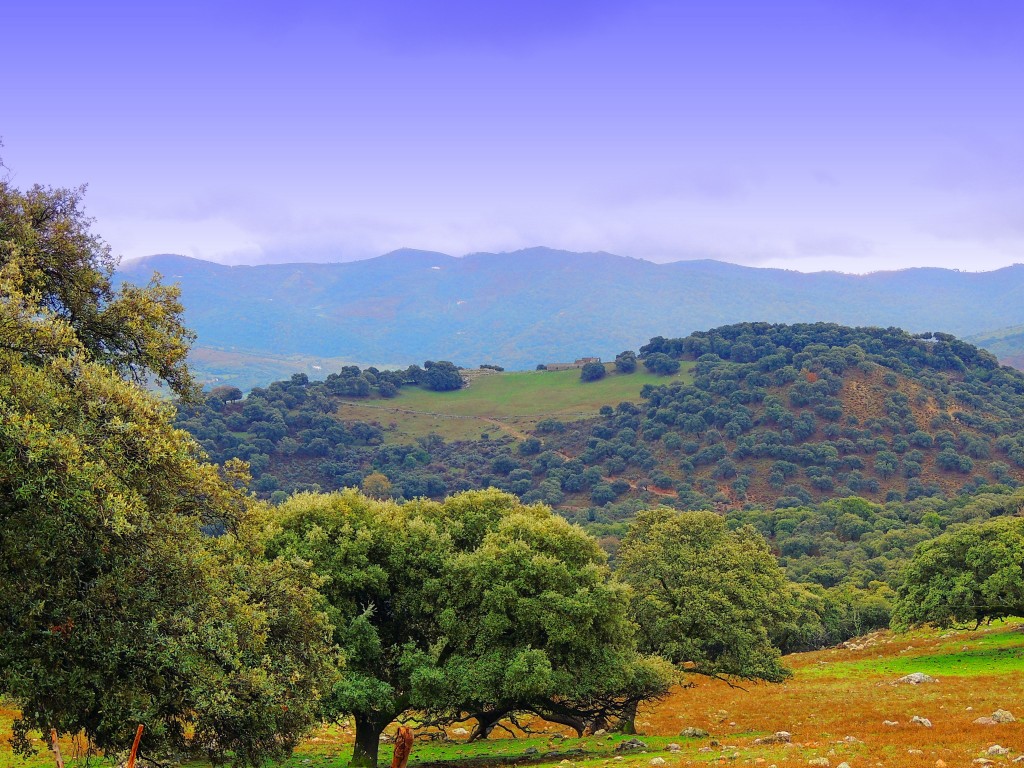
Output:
(971, 574)
(56, 279)
(479, 606)
(117, 608)
(441, 376)
(382, 564)
(534, 622)
(661, 364)
(592, 372)
(625, 362)
(705, 597)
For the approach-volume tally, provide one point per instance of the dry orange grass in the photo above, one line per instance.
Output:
(833, 697)
(835, 707)
(73, 748)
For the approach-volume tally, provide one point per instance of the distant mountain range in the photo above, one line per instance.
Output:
(540, 305)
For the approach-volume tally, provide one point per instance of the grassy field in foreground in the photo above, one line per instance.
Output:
(835, 707)
(502, 403)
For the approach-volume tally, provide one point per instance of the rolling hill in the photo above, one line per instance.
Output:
(538, 305)
(774, 415)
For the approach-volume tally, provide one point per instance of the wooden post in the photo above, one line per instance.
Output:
(135, 748)
(403, 746)
(56, 748)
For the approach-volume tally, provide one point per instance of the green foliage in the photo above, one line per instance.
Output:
(382, 564)
(705, 597)
(226, 394)
(533, 622)
(592, 372)
(118, 609)
(476, 606)
(296, 432)
(441, 376)
(661, 364)
(755, 433)
(625, 362)
(849, 555)
(970, 574)
(56, 279)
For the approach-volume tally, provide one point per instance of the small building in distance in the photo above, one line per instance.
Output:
(568, 366)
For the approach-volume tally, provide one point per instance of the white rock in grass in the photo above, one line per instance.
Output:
(916, 678)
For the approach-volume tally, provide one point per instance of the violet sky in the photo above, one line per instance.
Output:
(806, 134)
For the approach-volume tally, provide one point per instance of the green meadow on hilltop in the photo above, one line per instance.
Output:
(501, 403)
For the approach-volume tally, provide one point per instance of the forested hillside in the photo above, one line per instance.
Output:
(775, 415)
(845, 447)
(535, 306)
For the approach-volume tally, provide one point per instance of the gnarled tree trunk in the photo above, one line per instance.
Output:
(627, 724)
(369, 727)
(485, 724)
(576, 723)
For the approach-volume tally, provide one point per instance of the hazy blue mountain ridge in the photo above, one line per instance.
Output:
(541, 305)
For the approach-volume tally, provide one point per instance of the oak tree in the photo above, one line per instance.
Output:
(705, 597)
(972, 574)
(117, 608)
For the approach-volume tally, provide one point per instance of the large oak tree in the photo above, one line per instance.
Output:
(705, 597)
(971, 574)
(478, 607)
(117, 608)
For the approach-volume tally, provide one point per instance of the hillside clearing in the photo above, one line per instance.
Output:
(502, 403)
